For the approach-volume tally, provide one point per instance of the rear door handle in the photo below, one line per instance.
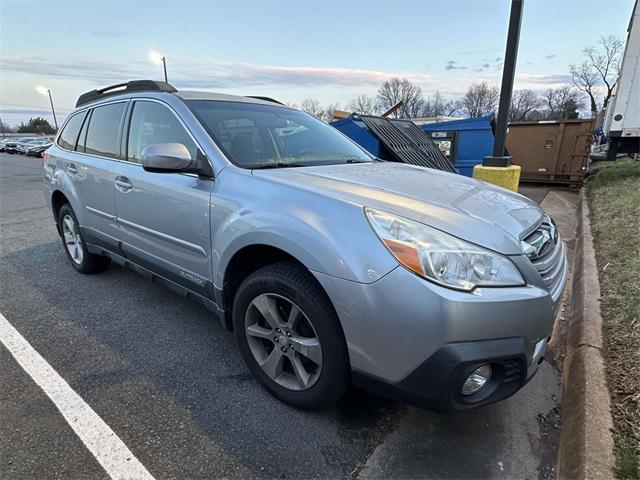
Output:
(71, 168)
(123, 184)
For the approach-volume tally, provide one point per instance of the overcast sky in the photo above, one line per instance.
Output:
(289, 50)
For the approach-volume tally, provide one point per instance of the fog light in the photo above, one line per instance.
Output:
(478, 379)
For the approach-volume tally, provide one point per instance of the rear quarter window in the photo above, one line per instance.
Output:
(69, 135)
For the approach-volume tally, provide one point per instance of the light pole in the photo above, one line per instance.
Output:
(158, 59)
(46, 91)
(498, 159)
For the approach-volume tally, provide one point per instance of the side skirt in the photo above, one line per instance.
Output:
(155, 277)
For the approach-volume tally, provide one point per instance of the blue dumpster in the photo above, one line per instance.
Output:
(356, 130)
(470, 140)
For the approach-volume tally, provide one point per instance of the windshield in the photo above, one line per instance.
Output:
(265, 136)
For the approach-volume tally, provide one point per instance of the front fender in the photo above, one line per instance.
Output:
(343, 250)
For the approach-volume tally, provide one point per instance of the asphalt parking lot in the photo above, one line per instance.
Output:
(160, 371)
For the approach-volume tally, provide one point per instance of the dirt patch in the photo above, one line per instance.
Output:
(558, 344)
(614, 198)
(549, 437)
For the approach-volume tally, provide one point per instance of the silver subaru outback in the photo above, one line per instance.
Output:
(331, 267)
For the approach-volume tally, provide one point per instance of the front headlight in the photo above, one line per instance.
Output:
(440, 257)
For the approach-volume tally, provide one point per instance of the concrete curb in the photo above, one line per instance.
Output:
(586, 441)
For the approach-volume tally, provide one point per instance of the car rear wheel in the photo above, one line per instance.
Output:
(290, 337)
(74, 245)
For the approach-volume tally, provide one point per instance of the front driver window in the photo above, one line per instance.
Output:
(153, 123)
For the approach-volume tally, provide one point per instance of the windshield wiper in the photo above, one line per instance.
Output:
(277, 165)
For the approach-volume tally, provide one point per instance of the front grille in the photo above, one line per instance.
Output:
(549, 259)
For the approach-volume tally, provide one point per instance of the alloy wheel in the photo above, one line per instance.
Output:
(72, 240)
(283, 341)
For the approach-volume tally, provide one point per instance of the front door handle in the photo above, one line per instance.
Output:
(123, 184)
(72, 169)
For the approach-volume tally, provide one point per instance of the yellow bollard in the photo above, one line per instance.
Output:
(507, 177)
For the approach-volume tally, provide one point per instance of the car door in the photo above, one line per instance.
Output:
(90, 168)
(163, 217)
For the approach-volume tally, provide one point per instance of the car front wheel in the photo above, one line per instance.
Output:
(290, 336)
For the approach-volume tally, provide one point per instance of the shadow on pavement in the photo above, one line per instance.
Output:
(182, 349)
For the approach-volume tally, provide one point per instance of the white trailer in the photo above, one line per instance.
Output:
(622, 121)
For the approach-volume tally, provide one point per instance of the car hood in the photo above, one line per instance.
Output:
(475, 211)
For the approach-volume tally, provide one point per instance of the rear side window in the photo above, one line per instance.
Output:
(69, 135)
(102, 133)
(153, 123)
(83, 134)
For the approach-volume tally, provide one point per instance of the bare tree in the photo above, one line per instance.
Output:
(327, 113)
(400, 89)
(562, 103)
(585, 78)
(523, 103)
(601, 66)
(312, 107)
(437, 106)
(362, 104)
(480, 99)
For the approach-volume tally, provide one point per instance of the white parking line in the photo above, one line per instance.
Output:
(102, 442)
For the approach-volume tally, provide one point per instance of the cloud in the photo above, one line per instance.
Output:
(206, 74)
(88, 70)
(479, 70)
(485, 65)
(453, 65)
(27, 111)
(543, 80)
(550, 56)
(14, 116)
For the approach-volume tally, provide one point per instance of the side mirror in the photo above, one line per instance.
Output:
(168, 158)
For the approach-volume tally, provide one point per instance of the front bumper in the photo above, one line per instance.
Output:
(437, 383)
(415, 340)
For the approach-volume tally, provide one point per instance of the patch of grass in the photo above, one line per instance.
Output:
(614, 197)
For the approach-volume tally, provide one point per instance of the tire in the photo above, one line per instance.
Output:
(315, 322)
(80, 259)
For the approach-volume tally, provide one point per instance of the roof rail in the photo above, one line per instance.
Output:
(127, 87)
(266, 99)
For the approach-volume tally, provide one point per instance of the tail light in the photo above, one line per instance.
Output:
(45, 158)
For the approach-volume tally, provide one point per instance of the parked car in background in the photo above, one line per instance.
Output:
(3, 143)
(23, 147)
(331, 267)
(12, 146)
(39, 149)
